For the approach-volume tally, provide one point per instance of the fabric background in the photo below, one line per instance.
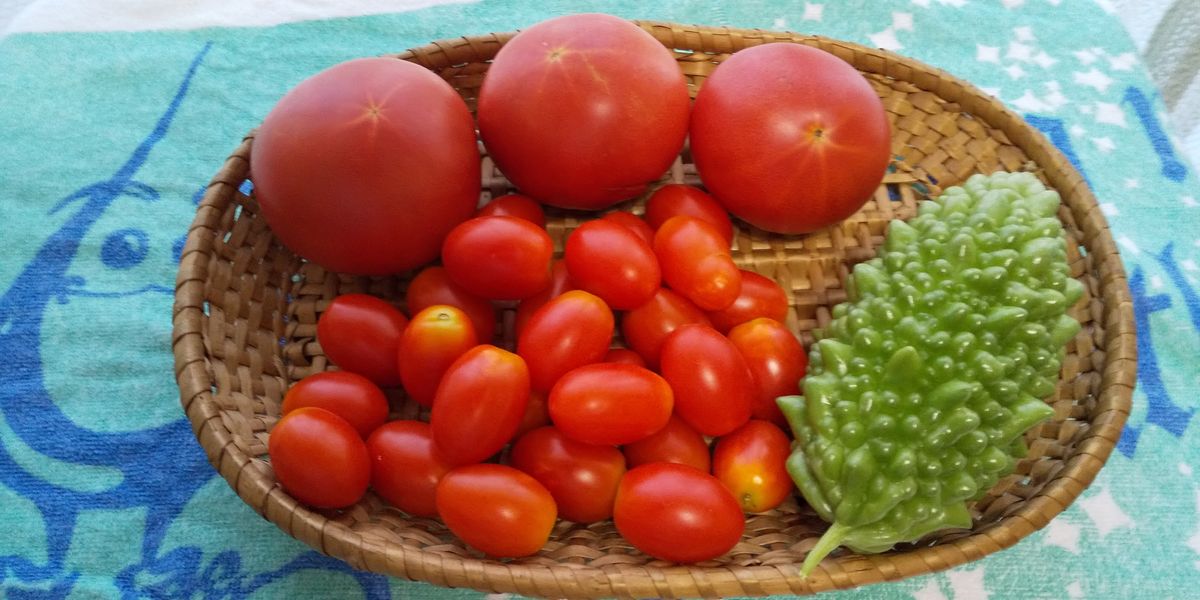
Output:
(112, 128)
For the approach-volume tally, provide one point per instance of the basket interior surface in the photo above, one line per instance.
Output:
(247, 309)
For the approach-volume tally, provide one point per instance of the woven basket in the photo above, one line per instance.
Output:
(246, 311)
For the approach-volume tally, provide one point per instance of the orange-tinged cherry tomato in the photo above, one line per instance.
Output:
(569, 331)
(537, 414)
(777, 363)
(348, 395)
(645, 327)
(752, 463)
(713, 387)
(582, 477)
(624, 355)
(677, 442)
(696, 262)
(610, 403)
(634, 223)
(760, 297)
(608, 259)
(479, 404)
(406, 466)
(434, 339)
(499, 258)
(496, 509)
(560, 282)
(514, 205)
(319, 458)
(361, 334)
(677, 513)
(433, 286)
(676, 199)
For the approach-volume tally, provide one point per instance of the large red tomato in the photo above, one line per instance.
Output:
(366, 166)
(496, 509)
(677, 513)
(582, 477)
(569, 331)
(789, 138)
(713, 386)
(608, 259)
(500, 257)
(583, 111)
(610, 403)
(319, 458)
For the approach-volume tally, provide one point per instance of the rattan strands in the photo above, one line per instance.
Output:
(245, 329)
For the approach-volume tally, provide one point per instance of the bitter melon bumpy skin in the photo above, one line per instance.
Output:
(917, 396)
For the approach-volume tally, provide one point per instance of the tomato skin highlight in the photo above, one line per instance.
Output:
(676, 199)
(434, 339)
(777, 363)
(433, 286)
(499, 258)
(610, 403)
(696, 262)
(612, 262)
(582, 477)
(361, 334)
(645, 327)
(514, 205)
(752, 462)
(713, 386)
(677, 513)
(319, 458)
(496, 509)
(406, 466)
(759, 297)
(348, 395)
(479, 404)
(366, 166)
(676, 442)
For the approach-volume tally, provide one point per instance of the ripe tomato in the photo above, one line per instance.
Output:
(319, 458)
(570, 331)
(361, 334)
(537, 414)
(777, 362)
(752, 463)
(677, 513)
(624, 355)
(582, 477)
(583, 111)
(645, 327)
(789, 138)
(713, 386)
(365, 167)
(696, 262)
(433, 286)
(676, 199)
(560, 282)
(497, 509)
(514, 205)
(759, 297)
(610, 403)
(611, 261)
(406, 466)
(500, 258)
(479, 404)
(434, 339)
(347, 395)
(633, 222)
(677, 442)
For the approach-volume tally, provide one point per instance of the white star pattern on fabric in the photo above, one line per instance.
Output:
(1044, 60)
(1023, 33)
(931, 591)
(813, 12)
(1094, 78)
(1157, 283)
(1122, 62)
(902, 21)
(1064, 534)
(779, 23)
(1104, 144)
(1131, 184)
(1189, 201)
(1107, 6)
(1011, 4)
(1128, 244)
(987, 53)
(1110, 113)
(1055, 97)
(1184, 468)
(968, 584)
(1074, 590)
(954, 3)
(1077, 130)
(1030, 103)
(1015, 71)
(1019, 51)
(1110, 209)
(921, 3)
(1189, 265)
(886, 39)
(1101, 507)
(991, 91)
(1085, 56)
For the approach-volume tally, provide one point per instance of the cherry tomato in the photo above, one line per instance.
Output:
(676, 199)
(319, 458)
(789, 138)
(560, 281)
(496, 509)
(361, 334)
(677, 513)
(634, 223)
(582, 477)
(610, 403)
(583, 111)
(713, 387)
(434, 339)
(645, 327)
(537, 414)
(608, 259)
(499, 258)
(406, 466)
(624, 355)
(347, 395)
(365, 167)
(569, 331)
(677, 442)
(752, 463)
(479, 404)
(777, 363)
(433, 286)
(696, 263)
(514, 205)
(759, 297)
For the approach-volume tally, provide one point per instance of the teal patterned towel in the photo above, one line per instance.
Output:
(108, 139)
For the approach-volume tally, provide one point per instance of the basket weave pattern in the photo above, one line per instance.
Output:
(245, 329)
